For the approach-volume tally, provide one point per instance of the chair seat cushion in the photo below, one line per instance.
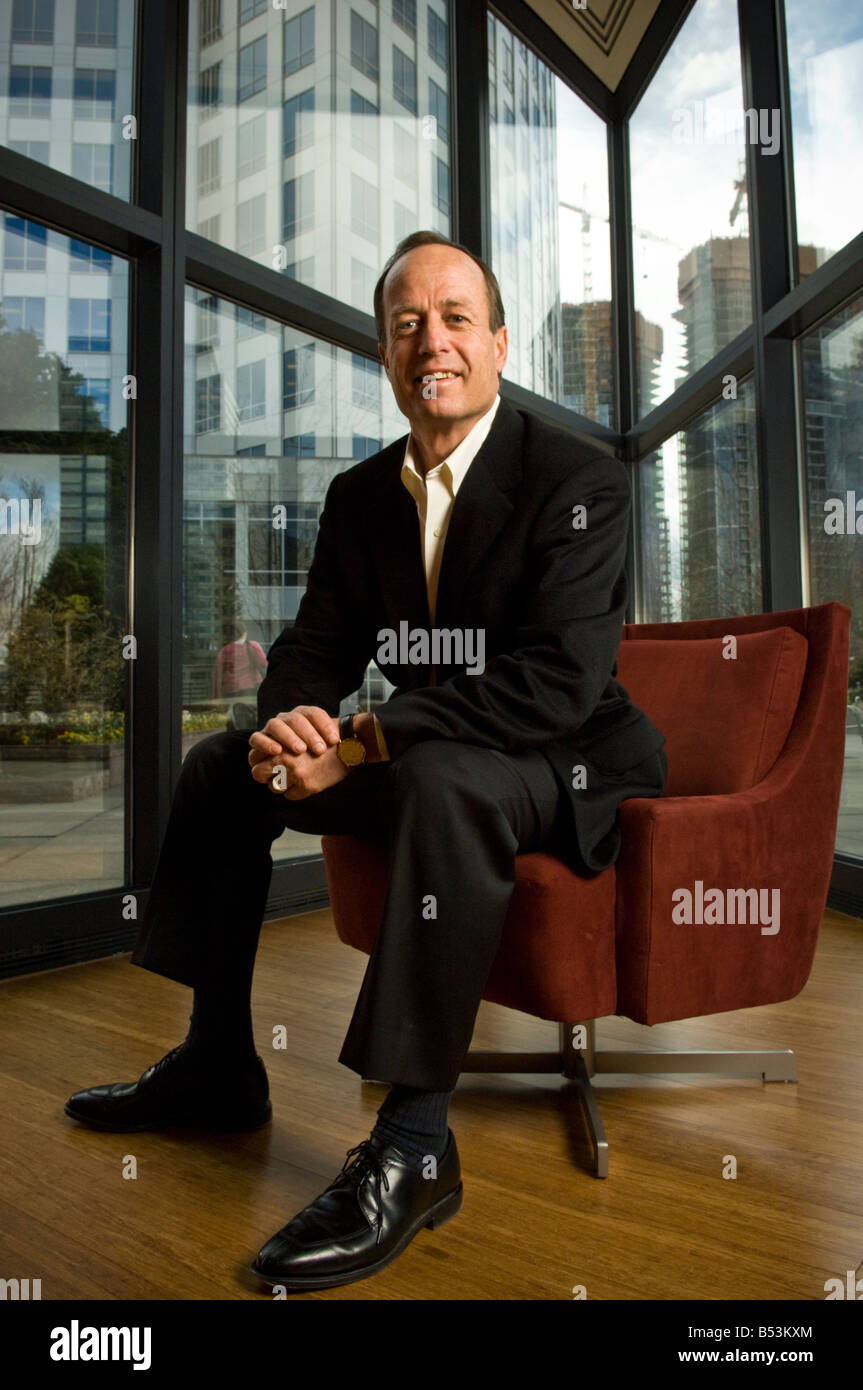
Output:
(725, 718)
(557, 953)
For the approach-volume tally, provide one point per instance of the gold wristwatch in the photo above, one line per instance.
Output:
(350, 750)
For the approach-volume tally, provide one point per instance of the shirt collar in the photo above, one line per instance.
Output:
(453, 468)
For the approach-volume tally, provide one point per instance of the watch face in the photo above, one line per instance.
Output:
(351, 752)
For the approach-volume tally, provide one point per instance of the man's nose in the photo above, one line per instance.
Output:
(433, 335)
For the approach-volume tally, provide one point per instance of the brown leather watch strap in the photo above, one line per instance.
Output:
(366, 729)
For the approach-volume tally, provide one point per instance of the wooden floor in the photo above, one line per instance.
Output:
(535, 1222)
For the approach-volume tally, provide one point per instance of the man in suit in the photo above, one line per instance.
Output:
(480, 561)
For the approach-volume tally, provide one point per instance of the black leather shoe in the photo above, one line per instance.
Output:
(178, 1090)
(363, 1220)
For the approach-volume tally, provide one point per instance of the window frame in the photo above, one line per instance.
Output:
(164, 255)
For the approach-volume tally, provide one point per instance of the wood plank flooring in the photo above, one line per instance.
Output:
(535, 1222)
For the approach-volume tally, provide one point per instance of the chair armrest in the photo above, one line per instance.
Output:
(769, 837)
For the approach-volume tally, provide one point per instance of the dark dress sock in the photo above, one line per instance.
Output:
(415, 1121)
(221, 1019)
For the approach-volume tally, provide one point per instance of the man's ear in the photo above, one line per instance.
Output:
(501, 348)
(382, 353)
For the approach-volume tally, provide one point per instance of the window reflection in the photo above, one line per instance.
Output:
(690, 232)
(359, 156)
(825, 60)
(63, 563)
(67, 99)
(831, 376)
(276, 416)
(699, 517)
(550, 229)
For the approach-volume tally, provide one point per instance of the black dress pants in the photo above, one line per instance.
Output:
(454, 817)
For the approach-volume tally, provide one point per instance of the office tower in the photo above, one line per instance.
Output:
(525, 236)
(318, 137)
(718, 484)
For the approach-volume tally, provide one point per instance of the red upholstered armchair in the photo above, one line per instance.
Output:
(717, 896)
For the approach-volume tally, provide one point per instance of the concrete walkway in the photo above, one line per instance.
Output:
(74, 844)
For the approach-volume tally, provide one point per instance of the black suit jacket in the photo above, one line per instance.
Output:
(549, 597)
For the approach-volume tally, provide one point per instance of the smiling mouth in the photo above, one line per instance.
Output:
(436, 376)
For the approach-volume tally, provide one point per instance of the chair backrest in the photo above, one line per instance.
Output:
(724, 692)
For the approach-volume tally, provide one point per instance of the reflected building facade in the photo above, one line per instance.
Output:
(526, 209)
(720, 566)
(318, 137)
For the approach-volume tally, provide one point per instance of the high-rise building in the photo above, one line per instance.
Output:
(318, 139)
(523, 155)
(587, 353)
(713, 287)
(720, 567)
(588, 387)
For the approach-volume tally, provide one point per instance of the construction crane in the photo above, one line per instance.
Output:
(586, 247)
(586, 219)
(740, 195)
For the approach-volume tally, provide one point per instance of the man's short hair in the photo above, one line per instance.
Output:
(409, 243)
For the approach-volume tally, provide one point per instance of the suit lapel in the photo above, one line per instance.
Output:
(480, 511)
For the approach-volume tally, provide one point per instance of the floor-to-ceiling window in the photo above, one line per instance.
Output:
(66, 81)
(698, 138)
(63, 563)
(188, 254)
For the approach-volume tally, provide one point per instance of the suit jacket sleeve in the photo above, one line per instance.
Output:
(566, 634)
(320, 659)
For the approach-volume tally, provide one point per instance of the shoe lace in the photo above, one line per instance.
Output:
(163, 1062)
(363, 1161)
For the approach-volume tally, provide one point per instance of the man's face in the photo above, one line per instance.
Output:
(436, 313)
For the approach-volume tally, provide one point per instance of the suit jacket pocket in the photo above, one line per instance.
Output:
(616, 753)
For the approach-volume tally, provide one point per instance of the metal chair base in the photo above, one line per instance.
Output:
(579, 1063)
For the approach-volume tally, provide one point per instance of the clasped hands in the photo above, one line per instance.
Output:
(303, 741)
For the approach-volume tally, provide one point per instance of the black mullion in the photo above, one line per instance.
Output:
(786, 153)
(820, 295)
(590, 431)
(39, 193)
(696, 394)
(623, 319)
(157, 435)
(656, 41)
(622, 280)
(468, 31)
(770, 229)
(229, 275)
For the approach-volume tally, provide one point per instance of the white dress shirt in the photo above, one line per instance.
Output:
(435, 493)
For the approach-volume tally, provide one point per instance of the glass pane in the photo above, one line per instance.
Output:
(544, 203)
(831, 365)
(699, 517)
(66, 84)
(271, 416)
(690, 228)
(825, 64)
(319, 136)
(63, 564)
